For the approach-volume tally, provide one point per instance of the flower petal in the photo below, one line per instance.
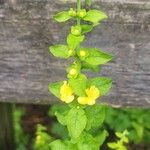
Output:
(66, 93)
(82, 100)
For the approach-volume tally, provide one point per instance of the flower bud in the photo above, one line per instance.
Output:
(71, 52)
(81, 13)
(82, 53)
(76, 30)
(72, 12)
(73, 71)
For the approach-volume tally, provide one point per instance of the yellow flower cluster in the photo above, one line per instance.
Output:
(66, 95)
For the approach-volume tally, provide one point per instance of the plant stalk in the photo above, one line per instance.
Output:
(78, 9)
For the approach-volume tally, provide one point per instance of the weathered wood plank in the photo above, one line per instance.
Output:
(26, 67)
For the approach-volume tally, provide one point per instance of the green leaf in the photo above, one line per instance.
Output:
(74, 41)
(70, 145)
(62, 16)
(86, 28)
(102, 83)
(101, 137)
(61, 118)
(95, 16)
(59, 51)
(78, 84)
(90, 142)
(98, 111)
(59, 130)
(119, 134)
(139, 129)
(97, 57)
(58, 145)
(54, 88)
(86, 66)
(112, 145)
(76, 122)
(60, 111)
(57, 107)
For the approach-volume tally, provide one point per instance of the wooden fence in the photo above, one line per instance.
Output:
(27, 67)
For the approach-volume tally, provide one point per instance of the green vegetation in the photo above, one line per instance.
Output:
(21, 138)
(135, 120)
(117, 120)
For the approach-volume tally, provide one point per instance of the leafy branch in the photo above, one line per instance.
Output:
(81, 115)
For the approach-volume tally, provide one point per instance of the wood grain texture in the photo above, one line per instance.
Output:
(26, 67)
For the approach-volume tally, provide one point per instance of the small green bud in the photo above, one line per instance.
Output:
(71, 52)
(72, 12)
(73, 71)
(76, 30)
(81, 13)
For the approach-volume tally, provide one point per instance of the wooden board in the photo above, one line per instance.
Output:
(26, 67)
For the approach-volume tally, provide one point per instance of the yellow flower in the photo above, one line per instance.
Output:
(66, 93)
(82, 53)
(92, 94)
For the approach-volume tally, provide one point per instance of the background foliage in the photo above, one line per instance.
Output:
(135, 120)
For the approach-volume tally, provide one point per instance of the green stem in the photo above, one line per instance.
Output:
(78, 9)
